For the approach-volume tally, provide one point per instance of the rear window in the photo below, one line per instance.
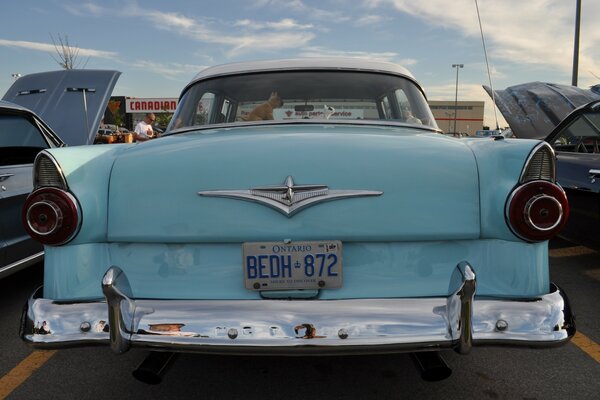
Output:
(302, 95)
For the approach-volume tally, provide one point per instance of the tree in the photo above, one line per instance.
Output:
(163, 119)
(114, 107)
(67, 55)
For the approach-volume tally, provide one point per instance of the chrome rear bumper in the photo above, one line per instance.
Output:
(300, 327)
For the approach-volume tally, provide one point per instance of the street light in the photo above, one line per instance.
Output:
(449, 116)
(457, 66)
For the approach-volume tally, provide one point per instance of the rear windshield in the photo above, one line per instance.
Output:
(302, 95)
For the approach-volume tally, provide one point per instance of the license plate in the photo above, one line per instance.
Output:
(296, 265)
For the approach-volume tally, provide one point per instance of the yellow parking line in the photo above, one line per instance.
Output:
(593, 273)
(22, 371)
(570, 251)
(586, 344)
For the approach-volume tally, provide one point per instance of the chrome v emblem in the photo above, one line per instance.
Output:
(289, 198)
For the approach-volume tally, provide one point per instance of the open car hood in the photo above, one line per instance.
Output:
(71, 102)
(533, 109)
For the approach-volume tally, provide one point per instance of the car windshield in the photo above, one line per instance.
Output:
(581, 136)
(302, 95)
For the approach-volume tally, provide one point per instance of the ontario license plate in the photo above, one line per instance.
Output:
(296, 265)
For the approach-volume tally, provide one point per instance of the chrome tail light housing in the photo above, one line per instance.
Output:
(51, 214)
(537, 209)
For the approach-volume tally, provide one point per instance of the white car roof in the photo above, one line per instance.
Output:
(332, 63)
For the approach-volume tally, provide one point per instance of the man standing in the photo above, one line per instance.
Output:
(143, 130)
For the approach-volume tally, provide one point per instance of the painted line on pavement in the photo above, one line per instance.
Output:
(586, 344)
(570, 251)
(593, 273)
(20, 373)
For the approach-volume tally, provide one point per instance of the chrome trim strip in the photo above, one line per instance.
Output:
(594, 172)
(351, 326)
(380, 124)
(4, 177)
(19, 265)
(289, 198)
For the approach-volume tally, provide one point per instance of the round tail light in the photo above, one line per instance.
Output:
(51, 216)
(537, 210)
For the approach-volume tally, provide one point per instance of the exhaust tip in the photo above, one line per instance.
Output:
(146, 376)
(153, 368)
(431, 366)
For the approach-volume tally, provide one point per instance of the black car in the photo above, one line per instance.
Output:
(34, 111)
(22, 136)
(576, 141)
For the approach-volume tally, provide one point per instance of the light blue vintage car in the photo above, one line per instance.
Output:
(298, 207)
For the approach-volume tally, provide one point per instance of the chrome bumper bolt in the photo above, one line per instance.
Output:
(232, 333)
(85, 326)
(501, 325)
(343, 334)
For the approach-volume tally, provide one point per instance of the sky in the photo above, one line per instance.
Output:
(159, 46)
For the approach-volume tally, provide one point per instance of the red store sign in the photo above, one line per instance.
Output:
(151, 105)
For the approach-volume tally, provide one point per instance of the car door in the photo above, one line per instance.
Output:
(21, 139)
(577, 146)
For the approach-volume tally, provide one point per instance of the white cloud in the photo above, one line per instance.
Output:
(85, 9)
(49, 48)
(270, 36)
(169, 70)
(390, 56)
(283, 24)
(300, 8)
(535, 32)
(370, 19)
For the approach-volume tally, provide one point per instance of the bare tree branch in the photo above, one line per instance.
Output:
(66, 55)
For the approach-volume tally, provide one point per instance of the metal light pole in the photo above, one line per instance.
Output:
(448, 114)
(576, 44)
(457, 66)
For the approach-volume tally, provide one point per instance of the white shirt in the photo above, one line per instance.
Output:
(144, 130)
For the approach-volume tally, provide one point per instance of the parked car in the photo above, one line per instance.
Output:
(576, 141)
(82, 94)
(566, 116)
(104, 131)
(292, 208)
(23, 133)
(533, 109)
(109, 136)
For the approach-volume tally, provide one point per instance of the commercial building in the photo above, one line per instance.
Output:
(128, 111)
(468, 116)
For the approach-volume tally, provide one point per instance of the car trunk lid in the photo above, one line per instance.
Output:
(429, 186)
